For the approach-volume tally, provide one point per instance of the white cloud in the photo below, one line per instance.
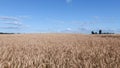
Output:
(69, 1)
(68, 29)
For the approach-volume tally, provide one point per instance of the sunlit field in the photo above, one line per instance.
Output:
(59, 51)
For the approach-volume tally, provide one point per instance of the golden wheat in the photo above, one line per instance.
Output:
(59, 51)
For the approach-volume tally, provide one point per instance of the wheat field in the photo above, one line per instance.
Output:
(59, 51)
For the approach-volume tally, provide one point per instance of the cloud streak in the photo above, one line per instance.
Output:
(9, 18)
(13, 22)
(10, 27)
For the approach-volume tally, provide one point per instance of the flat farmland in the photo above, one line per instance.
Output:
(59, 51)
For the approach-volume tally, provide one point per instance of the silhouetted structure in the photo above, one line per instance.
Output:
(100, 32)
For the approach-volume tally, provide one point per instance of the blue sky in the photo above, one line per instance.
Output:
(74, 16)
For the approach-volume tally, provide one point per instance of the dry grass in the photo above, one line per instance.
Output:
(59, 51)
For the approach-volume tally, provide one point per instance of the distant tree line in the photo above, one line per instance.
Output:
(6, 33)
(100, 32)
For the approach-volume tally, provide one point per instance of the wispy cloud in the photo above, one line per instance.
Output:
(55, 20)
(84, 30)
(13, 22)
(96, 17)
(23, 16)
(9, 18)
(69, 1)
(58, 21)
(10, 27)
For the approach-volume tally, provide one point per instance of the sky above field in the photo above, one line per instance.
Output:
(59, 16)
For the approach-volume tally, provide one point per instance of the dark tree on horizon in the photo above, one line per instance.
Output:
(92, 32)
(100, 31)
